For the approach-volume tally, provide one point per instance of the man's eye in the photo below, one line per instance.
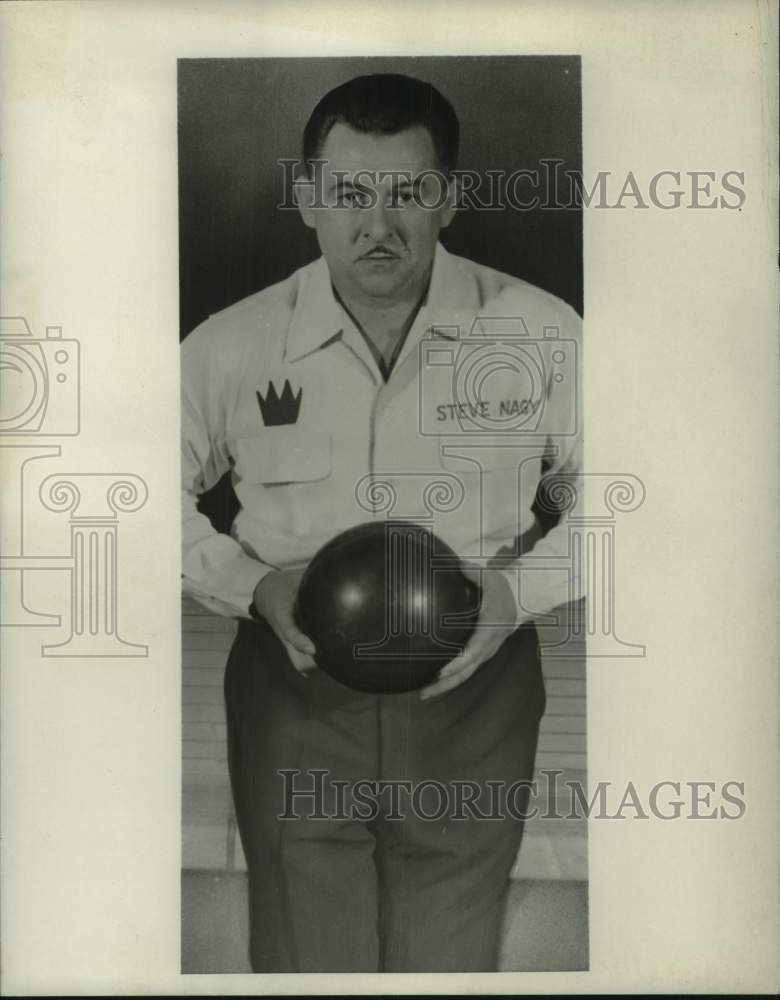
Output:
(403, 197)
(357, 199)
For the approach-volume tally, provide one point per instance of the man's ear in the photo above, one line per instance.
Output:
(303, 193)
(451, 204)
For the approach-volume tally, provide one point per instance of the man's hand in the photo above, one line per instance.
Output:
(498, 618)
(274, 599)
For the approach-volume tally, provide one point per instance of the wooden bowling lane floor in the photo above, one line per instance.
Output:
(546, 924)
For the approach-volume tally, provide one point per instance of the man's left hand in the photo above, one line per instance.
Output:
(498, 618)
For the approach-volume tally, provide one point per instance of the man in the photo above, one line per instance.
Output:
(321, 395)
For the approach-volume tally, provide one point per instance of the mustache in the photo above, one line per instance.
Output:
(380, 249)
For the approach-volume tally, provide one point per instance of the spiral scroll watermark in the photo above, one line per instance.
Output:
(413, 496)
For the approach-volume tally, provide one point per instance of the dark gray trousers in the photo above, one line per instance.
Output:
(366, 883)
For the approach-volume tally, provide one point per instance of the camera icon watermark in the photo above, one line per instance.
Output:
(497, 379)
(39, 381)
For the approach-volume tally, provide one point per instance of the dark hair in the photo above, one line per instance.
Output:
(383, 104)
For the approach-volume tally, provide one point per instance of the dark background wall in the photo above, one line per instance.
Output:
(238, 117)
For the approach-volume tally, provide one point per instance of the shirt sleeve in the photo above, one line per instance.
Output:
(548, 575)
(216, 571)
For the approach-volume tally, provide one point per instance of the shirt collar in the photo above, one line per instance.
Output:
(317, 318)
(452, 301)
(448, 311)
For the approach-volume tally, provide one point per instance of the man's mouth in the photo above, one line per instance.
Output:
(379, 254)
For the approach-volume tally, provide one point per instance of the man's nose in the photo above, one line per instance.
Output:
(377, 222)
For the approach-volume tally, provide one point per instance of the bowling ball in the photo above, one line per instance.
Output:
(386, 605)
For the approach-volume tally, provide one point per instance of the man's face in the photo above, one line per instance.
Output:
(377, 237)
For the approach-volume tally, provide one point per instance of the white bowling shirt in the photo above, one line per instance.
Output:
(282, 390)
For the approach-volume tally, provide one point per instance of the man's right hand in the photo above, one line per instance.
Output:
(274, 599)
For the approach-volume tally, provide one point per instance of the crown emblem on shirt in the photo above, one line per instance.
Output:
(280, 409)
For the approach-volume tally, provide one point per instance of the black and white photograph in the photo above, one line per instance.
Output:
(381, 405)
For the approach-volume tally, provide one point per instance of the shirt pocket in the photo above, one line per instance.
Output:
(284, 454)
(504, 476)
(495, 486)
(475, 461)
